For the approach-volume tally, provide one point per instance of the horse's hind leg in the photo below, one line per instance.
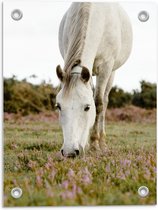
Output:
(102, 142)
(104, 73)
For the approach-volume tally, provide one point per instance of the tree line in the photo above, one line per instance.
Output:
(24, 97)
(145, 98)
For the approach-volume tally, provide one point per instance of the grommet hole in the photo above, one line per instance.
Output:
(143, 191)
(16, 14)
(16, 192)
(143, 16)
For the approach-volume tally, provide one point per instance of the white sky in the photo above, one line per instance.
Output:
(31, 44)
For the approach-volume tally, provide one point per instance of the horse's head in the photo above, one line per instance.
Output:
(76, 109)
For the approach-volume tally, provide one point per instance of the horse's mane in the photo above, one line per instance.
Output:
(77, 34)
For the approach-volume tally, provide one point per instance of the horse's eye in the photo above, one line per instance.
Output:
(87, 107)
(58, 106)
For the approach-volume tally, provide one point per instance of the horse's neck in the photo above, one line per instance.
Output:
(75, 27)
(84, 31)
(94, 32)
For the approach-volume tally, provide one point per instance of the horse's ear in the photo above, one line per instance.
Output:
(60, 73)
(85, 75)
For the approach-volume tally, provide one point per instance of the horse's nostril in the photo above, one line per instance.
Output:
(62, 152)
(77, 151)
(70, 155)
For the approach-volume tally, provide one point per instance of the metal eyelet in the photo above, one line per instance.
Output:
(143, 191)
(16, 14)
(143, 16)
(16, 192)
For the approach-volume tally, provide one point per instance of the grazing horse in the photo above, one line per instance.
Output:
(94, 39)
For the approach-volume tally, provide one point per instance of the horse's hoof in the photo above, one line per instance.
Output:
(103, 146)
(95, 146)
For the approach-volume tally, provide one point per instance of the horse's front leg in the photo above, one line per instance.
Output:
(102, 131)
(102, 79)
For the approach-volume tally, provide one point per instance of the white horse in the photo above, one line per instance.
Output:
(94, 39)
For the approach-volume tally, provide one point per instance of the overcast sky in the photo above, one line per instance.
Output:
(31, 44)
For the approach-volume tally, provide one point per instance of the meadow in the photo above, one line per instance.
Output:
(33, 163)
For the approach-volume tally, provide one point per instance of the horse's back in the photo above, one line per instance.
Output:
(108, 19)
(116, 41)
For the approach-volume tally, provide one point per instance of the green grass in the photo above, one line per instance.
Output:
(113, 178)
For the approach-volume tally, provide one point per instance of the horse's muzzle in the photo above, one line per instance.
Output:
(72, 154)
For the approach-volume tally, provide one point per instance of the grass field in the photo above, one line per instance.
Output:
(32, 163)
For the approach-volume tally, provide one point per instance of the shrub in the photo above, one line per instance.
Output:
(24, 97)
(146, 97)
(119, 98)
